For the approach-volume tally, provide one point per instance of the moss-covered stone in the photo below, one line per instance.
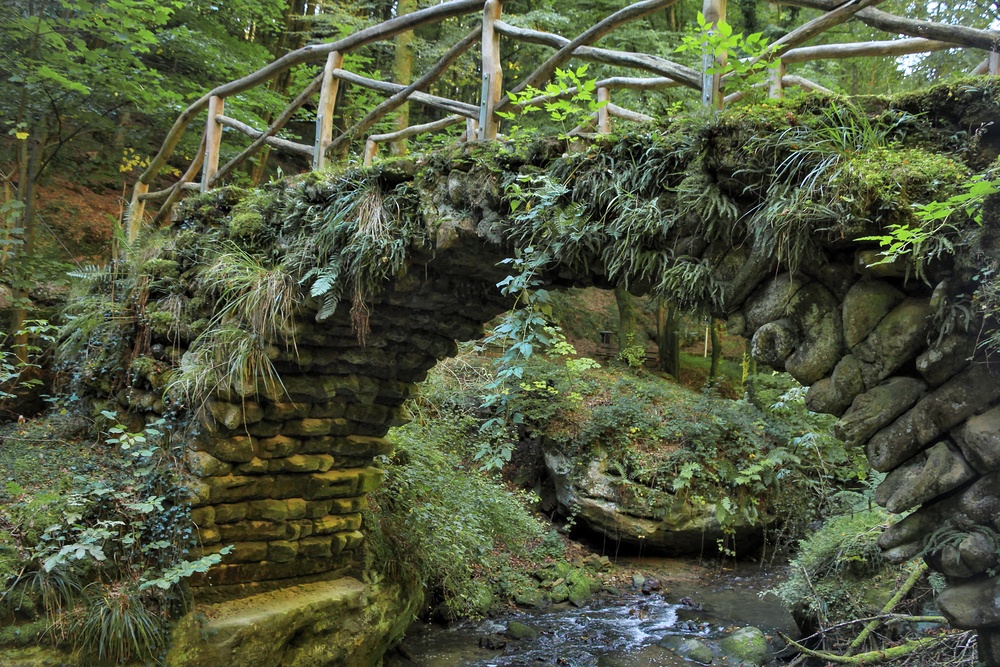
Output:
(340, 623)
(35, 656)
(694, 650)
(530, 598)
(518, 630)
(747, 646)
(559, 593)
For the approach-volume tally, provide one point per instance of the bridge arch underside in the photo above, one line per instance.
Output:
(708, 215)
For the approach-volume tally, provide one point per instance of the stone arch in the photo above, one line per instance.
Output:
(283, 474)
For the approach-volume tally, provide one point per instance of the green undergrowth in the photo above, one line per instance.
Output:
(839, 581)
(465, 538)
(94, 537)
(839, 573)
(755, 460)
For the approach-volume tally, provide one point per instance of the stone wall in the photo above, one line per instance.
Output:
(283, 471)
(923, 407)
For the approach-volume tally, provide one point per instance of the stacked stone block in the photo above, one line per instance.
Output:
(923, 406)
(282, 469)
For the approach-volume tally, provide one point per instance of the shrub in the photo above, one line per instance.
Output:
(839, 573)
(448, 529)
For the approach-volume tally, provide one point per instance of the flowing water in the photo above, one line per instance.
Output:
(612, 630)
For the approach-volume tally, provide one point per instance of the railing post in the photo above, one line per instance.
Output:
(603, 115)
(994, 63)
(775, 87)
(213, 139)
(711, 84)
(324, 113)
(471, 129)
(371, 149)
(492, 73)
(136, 209)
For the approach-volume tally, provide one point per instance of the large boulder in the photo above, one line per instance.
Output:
(657, 521)
(747, 646)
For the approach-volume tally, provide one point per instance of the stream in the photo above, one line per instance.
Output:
(613, 630)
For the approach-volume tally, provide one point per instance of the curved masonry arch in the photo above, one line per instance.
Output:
(283, 475)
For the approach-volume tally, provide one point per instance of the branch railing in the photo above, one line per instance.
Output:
(481, 120)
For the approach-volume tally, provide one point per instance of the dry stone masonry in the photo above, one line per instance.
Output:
(283, 472)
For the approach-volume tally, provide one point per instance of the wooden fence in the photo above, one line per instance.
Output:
(481, 120)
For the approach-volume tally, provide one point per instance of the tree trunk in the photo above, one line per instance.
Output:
(259, 165)
(289, 39)
(668, 340)
(30, 173)
(402, 71)
(713, 371)
(628, 334)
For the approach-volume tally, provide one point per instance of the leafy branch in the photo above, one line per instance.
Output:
(569, 100)
(737, 58)
(929, 239)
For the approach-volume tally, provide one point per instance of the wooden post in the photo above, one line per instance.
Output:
(775, 88)
(604, 114)
(371, 149)
(471, 129)
(492, 73)
(213, 138)
(711, 85)
(136, 209)
(324, 113)
(994, 63)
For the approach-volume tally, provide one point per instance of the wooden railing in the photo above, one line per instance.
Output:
(481, 120)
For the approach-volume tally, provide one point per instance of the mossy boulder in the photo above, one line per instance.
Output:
(559, 594)
(694, 650)
(25, 635)
(339, 623)
(530, 598)
(581, 586)
(481, 600)
(518, 630)
(35, 656)
(747, 646)
(246, 223)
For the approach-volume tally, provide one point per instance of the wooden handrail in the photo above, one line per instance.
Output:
(279, 123)
(818, 25)
(414, 130)
(544, 71)
(213, 140)
(312, 52)
(178, 187)
(655, 64)
(638, 83)
(657, 83)
(281, 144)
(898, 47)
(160, 195)
(924, 36)
(371, 146)
(792, 80)
(988, 40)
(443, 103)
(408, 92)
(786, 81)
(628, 114)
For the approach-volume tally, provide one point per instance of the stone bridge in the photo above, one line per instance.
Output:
(750, 215)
